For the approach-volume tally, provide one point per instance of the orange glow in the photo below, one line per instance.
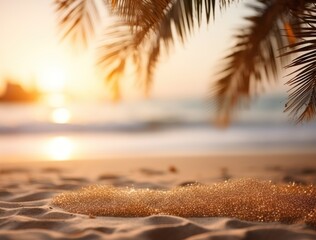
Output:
(290, 33)
(61, 115)
(60, 148)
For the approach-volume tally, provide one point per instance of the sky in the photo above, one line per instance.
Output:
(30, 49)
(29, 45)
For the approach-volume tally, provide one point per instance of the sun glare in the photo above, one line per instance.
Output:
(52, 79)
(60, 148)
(60, 115)
(55, 99)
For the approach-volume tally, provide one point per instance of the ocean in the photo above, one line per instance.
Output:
(154, 127)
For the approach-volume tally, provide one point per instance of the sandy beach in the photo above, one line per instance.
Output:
(27, 190)
(157, 120)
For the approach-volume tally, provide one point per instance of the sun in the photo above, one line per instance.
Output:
(52, 79)
(60, 115)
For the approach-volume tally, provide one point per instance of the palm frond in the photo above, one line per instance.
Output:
(77, 19)
(113, 60)
(146, 25)
(184, 15)
(150, 24)
(254, 58)
(302, 99)
(226, 3)
(131, 39)
(137, 13)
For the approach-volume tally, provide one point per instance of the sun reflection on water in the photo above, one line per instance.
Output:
(60, 148)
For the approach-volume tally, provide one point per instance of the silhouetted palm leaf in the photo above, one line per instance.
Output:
(184, 15)
(254, 58)
(150, 22)
(143, 26)
(302, 100)
(112, 58)
(77, 19)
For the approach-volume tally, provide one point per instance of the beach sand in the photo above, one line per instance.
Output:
(27, 190)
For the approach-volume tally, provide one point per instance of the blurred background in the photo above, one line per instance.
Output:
(54, 104)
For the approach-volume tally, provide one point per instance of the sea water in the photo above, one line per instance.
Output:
(96, 130)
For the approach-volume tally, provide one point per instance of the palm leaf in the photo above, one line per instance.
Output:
(144, 25)
(183, 15)
(302, 100)
(77, 19)
(150, 23)
(253, 60)
(112, 58)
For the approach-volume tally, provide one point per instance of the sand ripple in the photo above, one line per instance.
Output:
(26, 213)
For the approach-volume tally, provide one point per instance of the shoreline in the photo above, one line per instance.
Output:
(291, 154)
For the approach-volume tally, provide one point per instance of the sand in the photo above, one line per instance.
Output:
(27, 190)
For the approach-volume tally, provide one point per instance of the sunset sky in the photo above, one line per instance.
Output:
(29, 50)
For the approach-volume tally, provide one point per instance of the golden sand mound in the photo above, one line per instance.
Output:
(244, 199)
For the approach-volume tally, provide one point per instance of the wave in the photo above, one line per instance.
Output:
(99, 128)
(145, 116)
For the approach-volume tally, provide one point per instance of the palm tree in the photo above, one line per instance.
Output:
(279, 30)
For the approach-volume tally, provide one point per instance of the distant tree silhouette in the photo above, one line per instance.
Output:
(278, 30)
(14, 92)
